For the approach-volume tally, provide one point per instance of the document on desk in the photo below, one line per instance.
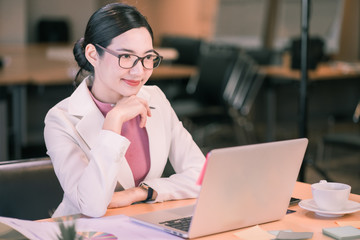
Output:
(12, 228)
(120, 226)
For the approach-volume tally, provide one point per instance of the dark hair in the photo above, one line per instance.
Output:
(105, 24)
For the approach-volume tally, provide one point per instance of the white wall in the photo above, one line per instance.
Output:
(241, 22)
(76, 12)
(13, 21)
(18, 18)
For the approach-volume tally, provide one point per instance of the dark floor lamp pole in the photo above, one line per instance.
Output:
(305, 7)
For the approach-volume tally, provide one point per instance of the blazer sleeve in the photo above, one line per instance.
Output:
(184, 155)
(87, 175)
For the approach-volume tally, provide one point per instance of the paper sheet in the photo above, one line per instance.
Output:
(120, 225)
(254, 233)
(29, 229)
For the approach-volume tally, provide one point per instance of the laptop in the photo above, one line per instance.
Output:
(241, 186)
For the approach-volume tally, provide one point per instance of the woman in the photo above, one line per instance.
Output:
(110, 140)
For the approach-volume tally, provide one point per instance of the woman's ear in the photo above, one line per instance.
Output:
(91, 54)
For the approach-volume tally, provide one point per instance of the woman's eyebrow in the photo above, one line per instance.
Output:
(151, 51)
(125, 50)
(131, 51)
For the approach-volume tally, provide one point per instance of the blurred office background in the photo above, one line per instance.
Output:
(263, 32)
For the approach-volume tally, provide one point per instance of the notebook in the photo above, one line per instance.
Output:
(241, 186)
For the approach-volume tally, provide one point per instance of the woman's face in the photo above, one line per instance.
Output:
(112, 82)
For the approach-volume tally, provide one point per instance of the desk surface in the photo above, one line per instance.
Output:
(324, 71)
(54, 64)
(300, 221)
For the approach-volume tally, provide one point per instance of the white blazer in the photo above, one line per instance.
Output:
(89, 161)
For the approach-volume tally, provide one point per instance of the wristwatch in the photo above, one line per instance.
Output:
(149, 190)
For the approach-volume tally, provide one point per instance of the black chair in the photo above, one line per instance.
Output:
(315, 56)
(348, 140)
(29, 189)
(204, 107)
(264, 56)
(240, 94)
(53, 31)
(204, 90)
(188, 48)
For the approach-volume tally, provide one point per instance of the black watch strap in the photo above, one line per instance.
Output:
(150, 191)
(150, 194)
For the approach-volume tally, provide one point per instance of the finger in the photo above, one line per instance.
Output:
(143, 119)
(148, 111)
(146, 105)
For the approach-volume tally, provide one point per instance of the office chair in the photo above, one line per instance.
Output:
(240, 94)
(29, 189)
(53, 31)
(316, 52)
(347, 140)
(187, 47)
(203, 106)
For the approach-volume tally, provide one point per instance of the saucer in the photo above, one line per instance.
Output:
(350, 207)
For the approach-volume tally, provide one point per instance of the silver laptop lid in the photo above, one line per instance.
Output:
(247, 185)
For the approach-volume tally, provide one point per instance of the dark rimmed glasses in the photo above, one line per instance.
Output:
(128, 60)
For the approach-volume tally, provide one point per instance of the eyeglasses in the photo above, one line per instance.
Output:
(128, 61)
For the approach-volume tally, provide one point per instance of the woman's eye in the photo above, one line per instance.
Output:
(125, 56)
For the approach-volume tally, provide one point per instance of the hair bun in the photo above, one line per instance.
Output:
(79, 54)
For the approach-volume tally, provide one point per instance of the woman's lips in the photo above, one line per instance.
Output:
(132, 82)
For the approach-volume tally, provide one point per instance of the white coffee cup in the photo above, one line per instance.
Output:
(330, 196)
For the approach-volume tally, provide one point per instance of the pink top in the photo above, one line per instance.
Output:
(138, 153)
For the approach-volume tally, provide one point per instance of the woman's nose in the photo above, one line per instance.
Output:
(138, 68)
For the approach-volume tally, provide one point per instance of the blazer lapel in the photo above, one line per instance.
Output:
(89, 127)
(91, 119)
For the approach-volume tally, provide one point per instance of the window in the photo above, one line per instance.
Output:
(241, 22)
(325, 20)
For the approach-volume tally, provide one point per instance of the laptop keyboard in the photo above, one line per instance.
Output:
(182, 224)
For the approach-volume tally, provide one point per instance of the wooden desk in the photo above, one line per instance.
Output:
(47, 64)
(329, 71)
(277, 75)
(300, 221)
